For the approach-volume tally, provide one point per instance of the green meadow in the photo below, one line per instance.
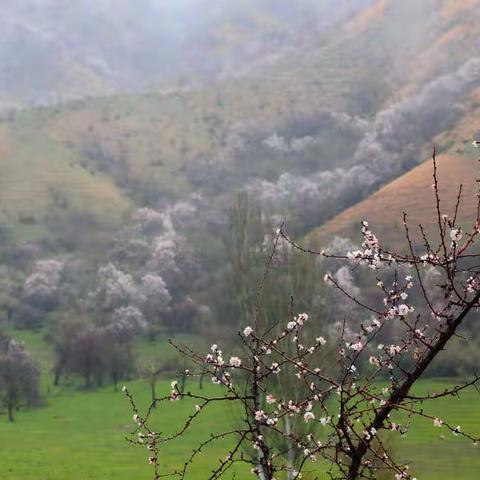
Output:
(80, 435)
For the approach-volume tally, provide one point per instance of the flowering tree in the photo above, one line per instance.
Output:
(372, 390)
(42, 285)
(19, 376)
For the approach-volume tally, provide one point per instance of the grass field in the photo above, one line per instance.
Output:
(80, 435)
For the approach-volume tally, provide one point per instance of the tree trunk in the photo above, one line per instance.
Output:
(58, 374)
(183, 381)
(291, 451)
(399, 394)
(152, 388)
(10, 412)
(88, 380)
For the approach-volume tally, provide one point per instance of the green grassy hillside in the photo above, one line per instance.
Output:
(87, 163)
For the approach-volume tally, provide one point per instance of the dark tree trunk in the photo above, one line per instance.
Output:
(10, 412)
(58, 374)
(152, 386)
(183, 381)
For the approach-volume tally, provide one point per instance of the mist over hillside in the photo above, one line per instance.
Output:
(52, 50)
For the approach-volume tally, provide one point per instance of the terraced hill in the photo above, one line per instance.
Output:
(88, 162)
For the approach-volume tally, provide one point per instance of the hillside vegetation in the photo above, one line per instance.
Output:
(412, 193)
(90, 162)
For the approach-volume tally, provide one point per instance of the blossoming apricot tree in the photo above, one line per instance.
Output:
(372, 389)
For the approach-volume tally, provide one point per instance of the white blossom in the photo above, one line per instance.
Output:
(247, 331)
(308, 416)
(235, 362)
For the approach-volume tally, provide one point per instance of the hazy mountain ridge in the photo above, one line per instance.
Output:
(53, 51)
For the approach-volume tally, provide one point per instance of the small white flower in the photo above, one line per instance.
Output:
(355, 346)
(272, 421)
(476, 143)
(456, 234)
(321, 340)
(324, 420)
(373, 360)
(308, 416)
(271, 399)
(260, 416)
(437, 422)
(235, 362)
(404, 309)
(124, 388)
(198, 408)
(456, 431)
(247, 331)
(394, 349)
(303, 317)
(275, 368)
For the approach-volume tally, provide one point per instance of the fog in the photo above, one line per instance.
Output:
(124, 45)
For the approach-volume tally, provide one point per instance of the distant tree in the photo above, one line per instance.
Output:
(292, 276)
(115, 289)
(19, 376)
(98, 351)
(63, 338)
(42, 285)
(157, 298)
(86, 356)
(10, 290)
(154, 369)
(118, 358)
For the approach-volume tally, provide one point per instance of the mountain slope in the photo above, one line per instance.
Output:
(411, 193)
(89, 162)
(52, 50)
